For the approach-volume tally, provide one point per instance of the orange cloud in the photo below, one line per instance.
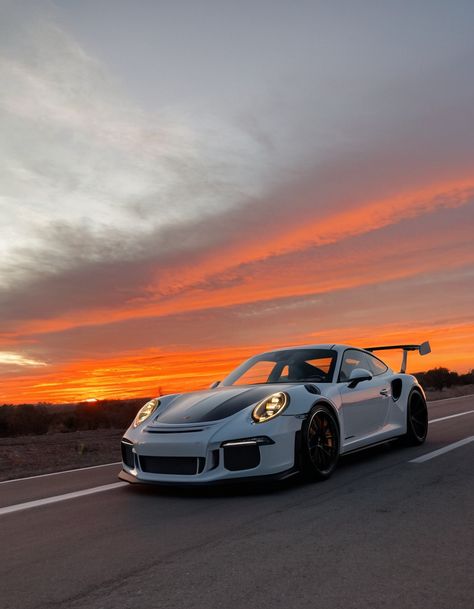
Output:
(309, 272)
(451, 343)
(146, 373)
(299, 232)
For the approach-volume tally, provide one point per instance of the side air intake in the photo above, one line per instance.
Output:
(397, 386)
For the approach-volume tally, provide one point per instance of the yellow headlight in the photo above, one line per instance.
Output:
(146, 411)
(270, 407)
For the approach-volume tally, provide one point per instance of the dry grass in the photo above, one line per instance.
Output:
(450, 392)
(23, 456)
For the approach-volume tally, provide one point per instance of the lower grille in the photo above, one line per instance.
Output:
(172, 465)
(241, 457)
(127, 454)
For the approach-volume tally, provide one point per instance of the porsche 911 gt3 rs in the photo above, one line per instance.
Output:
(292, 410)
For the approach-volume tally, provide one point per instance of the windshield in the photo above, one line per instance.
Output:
(289, 366)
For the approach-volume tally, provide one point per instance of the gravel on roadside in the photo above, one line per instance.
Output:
(23, 456)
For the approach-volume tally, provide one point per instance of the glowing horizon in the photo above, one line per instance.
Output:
(141, 376)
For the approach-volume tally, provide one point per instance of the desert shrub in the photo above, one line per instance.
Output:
(121, 413)
(69, 422)
(5, 411)
(466, 379)
(437, 378)
(26, 419)
(91, 417)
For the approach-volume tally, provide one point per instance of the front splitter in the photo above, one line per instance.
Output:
(280, 476)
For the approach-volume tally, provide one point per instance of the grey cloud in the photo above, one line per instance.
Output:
(76, 151)
(84, 266)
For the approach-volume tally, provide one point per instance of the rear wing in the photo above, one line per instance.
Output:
(422, 349)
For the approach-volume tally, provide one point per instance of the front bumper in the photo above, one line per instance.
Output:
(229, 451)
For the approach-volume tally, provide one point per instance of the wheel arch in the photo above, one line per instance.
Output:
(323, 401)
(415, 388)
(300, 459)
(411, 435)
(409, 385)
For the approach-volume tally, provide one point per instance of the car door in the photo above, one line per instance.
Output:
(364, 407)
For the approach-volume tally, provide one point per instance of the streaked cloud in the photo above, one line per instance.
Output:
(16, 359)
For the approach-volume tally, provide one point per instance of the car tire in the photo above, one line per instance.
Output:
(319, 443)
(417, 419)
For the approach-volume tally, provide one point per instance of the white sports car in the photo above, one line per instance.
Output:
(279, 413)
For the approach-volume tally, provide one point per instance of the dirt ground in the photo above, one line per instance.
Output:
(451, 392)
(32, 455)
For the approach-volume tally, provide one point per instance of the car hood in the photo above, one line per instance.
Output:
(213, 404)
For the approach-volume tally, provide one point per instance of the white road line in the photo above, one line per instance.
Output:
(457, 397)
(47, 500)
(451, 416)
(441, 451)
(66, 471)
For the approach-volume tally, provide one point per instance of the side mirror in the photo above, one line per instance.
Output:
(214, 384)
(357, 376)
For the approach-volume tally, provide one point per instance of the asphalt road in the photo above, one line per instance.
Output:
(382, 532)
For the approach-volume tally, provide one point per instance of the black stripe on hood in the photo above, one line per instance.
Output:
(200, 412)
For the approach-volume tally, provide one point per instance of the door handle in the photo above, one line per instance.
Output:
(384, 392)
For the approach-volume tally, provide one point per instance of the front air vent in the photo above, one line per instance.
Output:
(157, 427)
(186, 466)
(214, 459)
(241, 456)
(127, 453)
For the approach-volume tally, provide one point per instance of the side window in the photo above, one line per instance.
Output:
(323, 363)
(353, 359)
(376, 365)
(256, 374)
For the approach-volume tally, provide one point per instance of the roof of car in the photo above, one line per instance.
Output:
(333, 346)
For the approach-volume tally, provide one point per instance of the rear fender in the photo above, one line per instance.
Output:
(398, 413)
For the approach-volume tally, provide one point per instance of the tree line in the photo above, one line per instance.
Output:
(438, 378)
(26, 419)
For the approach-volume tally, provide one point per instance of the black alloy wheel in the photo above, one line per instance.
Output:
(417, 419)
(320, 439)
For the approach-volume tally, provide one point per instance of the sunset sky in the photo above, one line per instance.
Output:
(183, 184)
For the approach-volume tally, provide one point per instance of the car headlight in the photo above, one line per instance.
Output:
(270, 407)
(146, 411)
